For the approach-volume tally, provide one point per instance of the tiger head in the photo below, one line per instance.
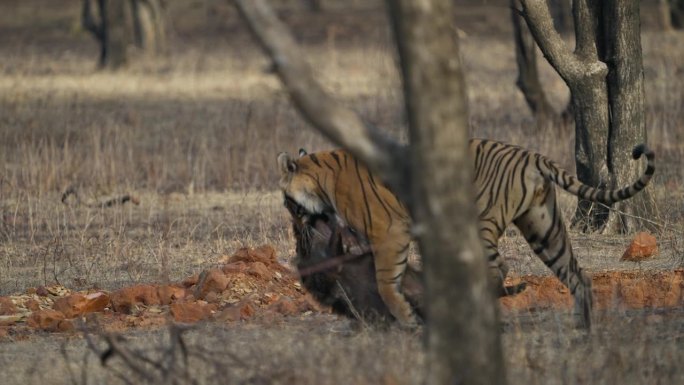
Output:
(299, 182)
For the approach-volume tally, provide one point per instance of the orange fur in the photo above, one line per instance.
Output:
(512, 185)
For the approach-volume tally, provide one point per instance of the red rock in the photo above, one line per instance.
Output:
(265, 254)
(126, 299)
(285, 306)
(42, 291)
(212, 297)
(32, 304)
(7, 307)
(229, 314)
(211, 281)
(170, 294)
(191, 280)
(235, 267)
(65, 325)
(47, 320)
(190, 312)
(246, 311)
(258, 269)
(240, 311)
(78, 304)
(643, 246)
(3, 332)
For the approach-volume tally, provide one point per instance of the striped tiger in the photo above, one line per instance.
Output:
(512, 185)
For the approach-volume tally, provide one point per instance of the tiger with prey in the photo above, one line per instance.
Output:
(512, 185)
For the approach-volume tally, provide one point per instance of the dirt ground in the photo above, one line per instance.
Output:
(193, 279)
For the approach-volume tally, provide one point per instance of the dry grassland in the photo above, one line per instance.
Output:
(194, 137)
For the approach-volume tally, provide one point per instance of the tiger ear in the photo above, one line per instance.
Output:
(302, 152)
(286, 164)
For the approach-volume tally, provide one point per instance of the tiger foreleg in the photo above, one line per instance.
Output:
(389, 271)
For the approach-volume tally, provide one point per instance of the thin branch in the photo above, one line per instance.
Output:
(351, 306)
(528, 74)
(340, 124)
(331, 262)
(132, 360)
(559, 55)
(585, 13)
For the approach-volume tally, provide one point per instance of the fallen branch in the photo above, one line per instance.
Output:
(108, 202)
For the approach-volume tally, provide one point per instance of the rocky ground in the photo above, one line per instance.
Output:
(252, 285)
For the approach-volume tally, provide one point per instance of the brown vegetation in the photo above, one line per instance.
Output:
(194, 137)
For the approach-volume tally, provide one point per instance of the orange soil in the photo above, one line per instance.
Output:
(252, 285)
(615, 289)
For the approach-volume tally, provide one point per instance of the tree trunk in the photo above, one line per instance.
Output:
(149, 29)
(589, 94)
(561, 11)
(591, 119)
(463, 345)
(462, 327)
(627, 126)
(677, 13)
(664, 15)
(528, 73)
(122, 23)
(314, 5)
(605, 77)
(116, 37)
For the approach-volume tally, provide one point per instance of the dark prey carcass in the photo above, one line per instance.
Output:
(336, 266)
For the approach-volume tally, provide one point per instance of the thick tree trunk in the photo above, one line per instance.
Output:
(432, 177)
(589, 95)
(149, 29)
(116, 36)
(528, 73)
(561, 11)
(664, 15)
(314, 5)
(463, 343)
(121, 23)
(627, 126)
(110, 29)
(605, 77)
(591, 119)
(677, 13)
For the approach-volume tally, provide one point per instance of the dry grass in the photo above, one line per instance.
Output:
(195, 137)
(541, 348)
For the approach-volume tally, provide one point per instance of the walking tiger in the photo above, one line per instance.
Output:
(512, 185)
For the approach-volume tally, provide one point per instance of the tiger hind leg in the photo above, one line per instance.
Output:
(544, 230)
(498, 269)
(390, 266)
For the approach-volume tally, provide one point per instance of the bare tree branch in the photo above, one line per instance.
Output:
(341, 125)
(586, 14)
(563, 60)
(528, 74)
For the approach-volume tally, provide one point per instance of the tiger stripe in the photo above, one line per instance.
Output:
(512, 185)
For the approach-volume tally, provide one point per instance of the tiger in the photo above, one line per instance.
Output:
(512, 186)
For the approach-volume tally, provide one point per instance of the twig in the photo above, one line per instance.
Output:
(330, 263)
(660, 225)
(340, 124)
(349, 303)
